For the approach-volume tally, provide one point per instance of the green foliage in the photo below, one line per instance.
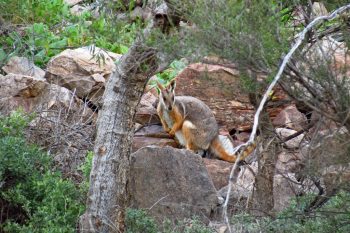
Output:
(332, 217)
(29, 11)
(169, 74)
(85, 168)
(50, 203)
(139, 221)
(17, 159)
(50, 28)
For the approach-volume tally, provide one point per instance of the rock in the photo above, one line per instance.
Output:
(172, 184)
(243, 187)
(219, 227)
(140, 142)
(292, 143)
(242, 136)
(147, 112)
(15, 85)
(23, 66)
(322, 124)
(318, 9)
(284, 189)
(144, 13)
(72, 2)
(330, 50)
(288, 161)
(291, 118)
(78, 71)
(79, 10)
(219, 171)
(151, 131)
(152, 135)
(20, 91)
(35, 95)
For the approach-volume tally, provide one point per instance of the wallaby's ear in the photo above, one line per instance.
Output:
(160, 86)
(172, 85)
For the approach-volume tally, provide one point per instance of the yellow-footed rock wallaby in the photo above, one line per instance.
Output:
(193, 124)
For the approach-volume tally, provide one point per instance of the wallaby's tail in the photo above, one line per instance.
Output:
(223, 148)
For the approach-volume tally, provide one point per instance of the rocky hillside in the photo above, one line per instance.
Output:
(66, 98)
(306, 169)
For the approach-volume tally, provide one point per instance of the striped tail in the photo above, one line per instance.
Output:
(223, 148)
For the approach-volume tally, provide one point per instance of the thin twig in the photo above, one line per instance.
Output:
(157, 202)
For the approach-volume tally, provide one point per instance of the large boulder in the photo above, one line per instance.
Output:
(171, 183)
(81, 72)
(23, 66)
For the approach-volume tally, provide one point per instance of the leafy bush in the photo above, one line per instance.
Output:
(30, 11)
(49, 28)
(49, 203)
(139, 221)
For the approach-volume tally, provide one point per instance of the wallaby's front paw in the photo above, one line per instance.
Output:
(172, 133)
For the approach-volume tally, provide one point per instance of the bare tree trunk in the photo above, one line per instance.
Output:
(263, 198)
(107, 197)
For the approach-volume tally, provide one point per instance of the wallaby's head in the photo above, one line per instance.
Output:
(167, 95)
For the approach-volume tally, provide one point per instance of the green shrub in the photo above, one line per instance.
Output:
(49, 28)
(50, 12)
(139, 221)
(50, 203)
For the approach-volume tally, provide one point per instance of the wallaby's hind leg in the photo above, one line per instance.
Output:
(187, 130)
